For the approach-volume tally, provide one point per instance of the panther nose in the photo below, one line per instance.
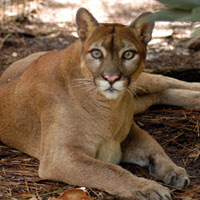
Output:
(111, 79)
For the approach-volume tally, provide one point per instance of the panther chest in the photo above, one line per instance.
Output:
(110, 151)
(110, 148)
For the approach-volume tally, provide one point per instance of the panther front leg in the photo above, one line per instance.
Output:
(67, 158)
(140, 148)
(152, 89)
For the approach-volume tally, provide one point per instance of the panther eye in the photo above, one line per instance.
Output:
(96, 53)
(128, 54)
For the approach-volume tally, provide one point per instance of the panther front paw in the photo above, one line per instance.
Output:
(151, 190)
(177, 177)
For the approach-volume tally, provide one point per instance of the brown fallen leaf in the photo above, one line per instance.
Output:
(74, 194)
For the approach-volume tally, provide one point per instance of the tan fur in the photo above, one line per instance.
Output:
(61, 108)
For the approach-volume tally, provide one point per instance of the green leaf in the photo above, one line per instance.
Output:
(196, 13)
(181, 4)
(175, 15)
(196, 33)
(195, 36)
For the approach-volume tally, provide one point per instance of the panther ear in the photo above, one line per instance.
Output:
(143, 27)
(85, 22)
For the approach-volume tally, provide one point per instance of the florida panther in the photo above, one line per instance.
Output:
(73, 110)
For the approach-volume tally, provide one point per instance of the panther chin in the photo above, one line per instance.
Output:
(111, 93)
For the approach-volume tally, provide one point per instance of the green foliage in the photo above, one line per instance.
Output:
(195, 36)
(179, 10)
(176, 15)
(181, 4)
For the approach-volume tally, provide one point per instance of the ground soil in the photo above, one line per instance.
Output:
(177, 130)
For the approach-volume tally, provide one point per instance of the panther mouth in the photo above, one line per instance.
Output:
(111, 89)
(111, 92)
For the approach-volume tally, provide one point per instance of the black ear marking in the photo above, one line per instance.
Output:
(85, 22)
(143, 27)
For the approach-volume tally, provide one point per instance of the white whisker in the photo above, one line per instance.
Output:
(136, 88)
(83, 82)
(132, 92)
